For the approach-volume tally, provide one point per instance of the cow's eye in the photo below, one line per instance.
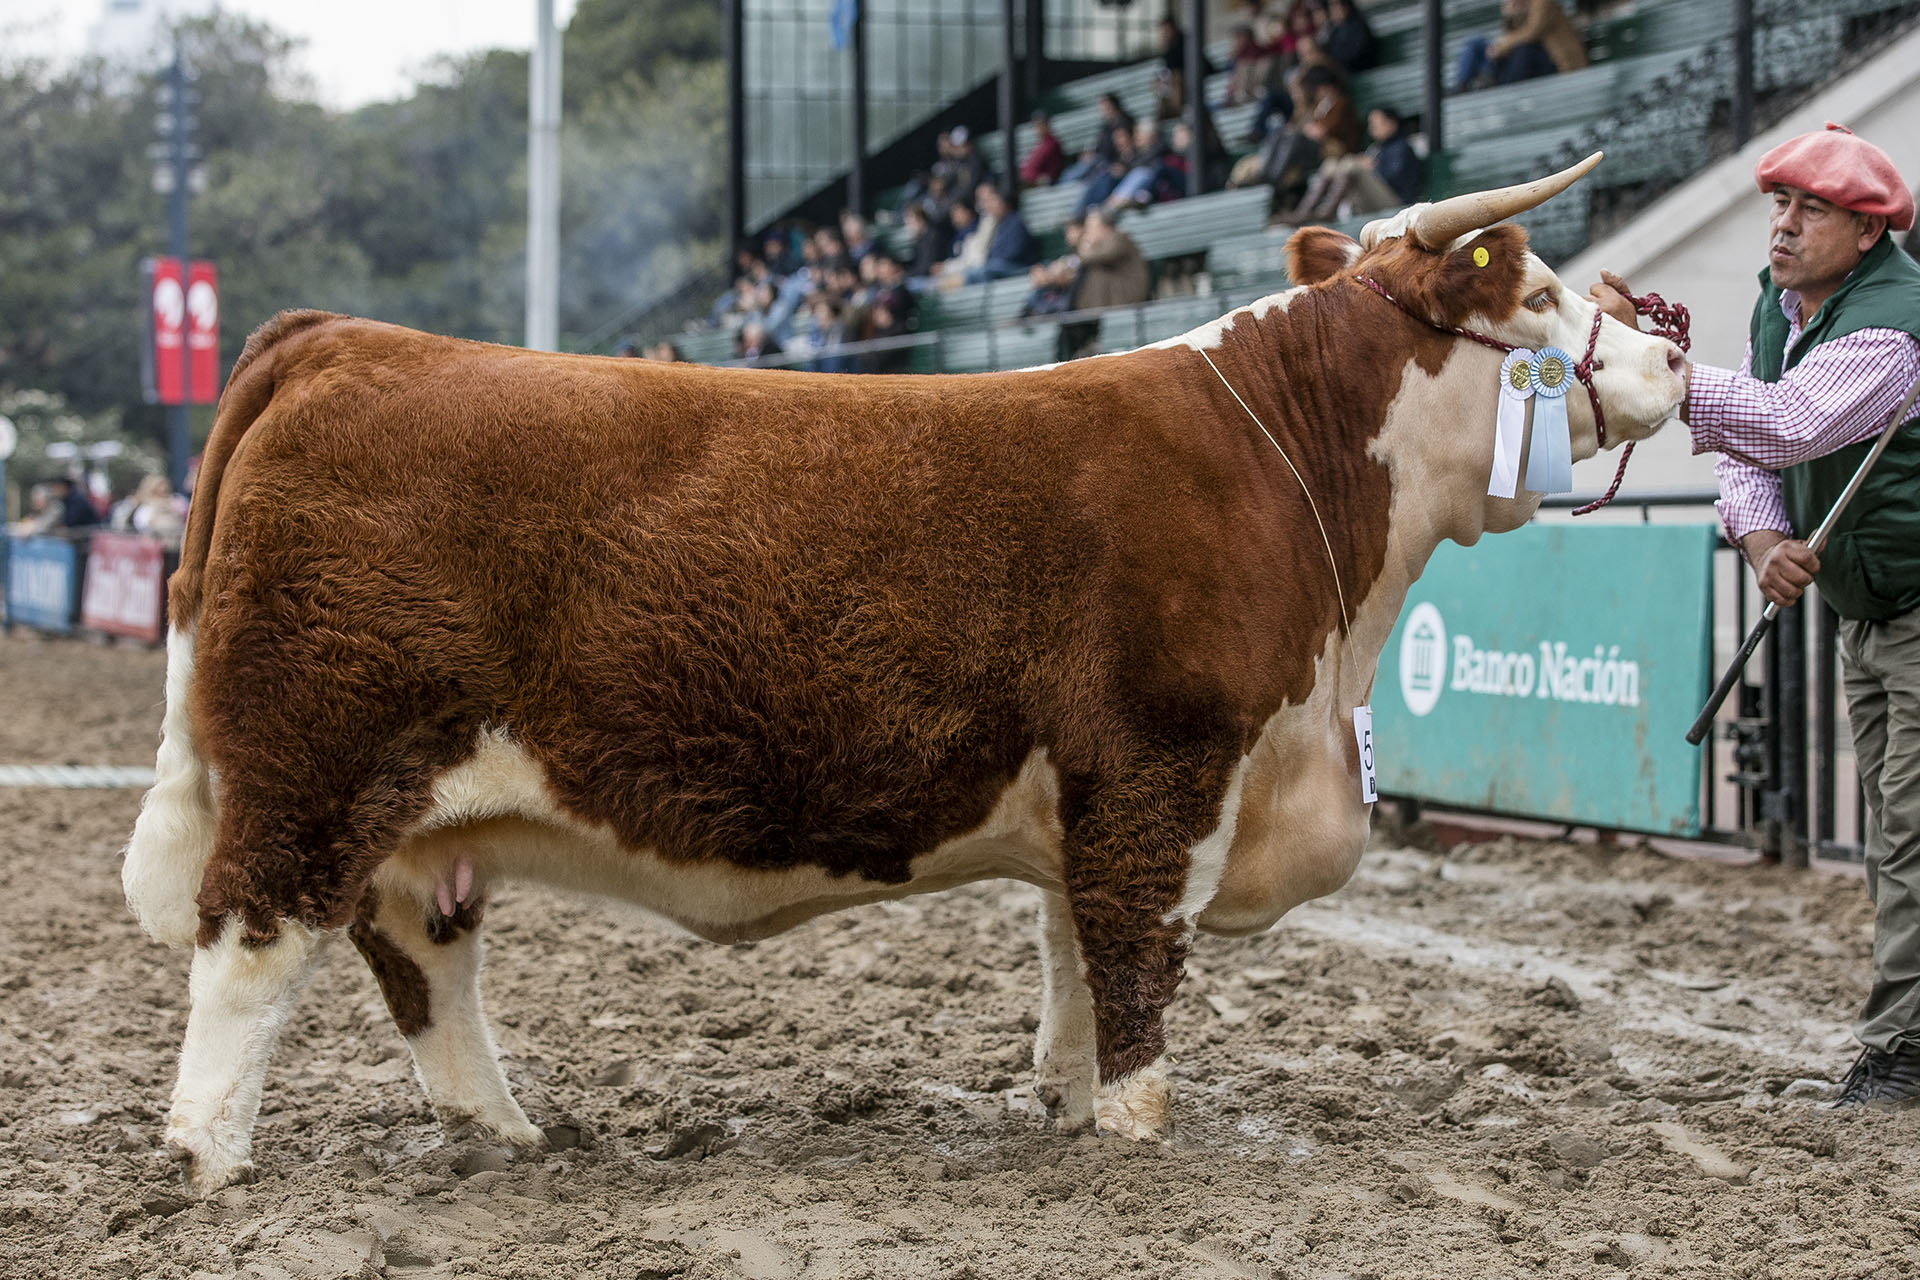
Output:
(1541, 301)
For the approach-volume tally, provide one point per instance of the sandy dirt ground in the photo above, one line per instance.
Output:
(1510, 1059)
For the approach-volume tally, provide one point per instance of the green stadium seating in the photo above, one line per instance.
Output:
(1189, 226)
(1661, 70)
(1236, 261)
(1015, 346)
(972, 305)
(1049, 208)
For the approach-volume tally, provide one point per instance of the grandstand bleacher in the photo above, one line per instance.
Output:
(1660, 70)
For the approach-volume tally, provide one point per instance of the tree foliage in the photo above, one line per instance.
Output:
(412, 211)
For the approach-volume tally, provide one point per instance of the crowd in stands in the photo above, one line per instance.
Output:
(1296, 65)
(71, 506)
(1536, 38)
(812, 290)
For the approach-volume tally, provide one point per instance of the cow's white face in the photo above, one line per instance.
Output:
(1640, 379)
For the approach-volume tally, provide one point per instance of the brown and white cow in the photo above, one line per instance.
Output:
(747, 647)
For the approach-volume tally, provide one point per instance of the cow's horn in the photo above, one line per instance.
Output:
(1435, 226)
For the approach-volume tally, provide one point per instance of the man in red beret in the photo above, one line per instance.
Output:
(1833, 349)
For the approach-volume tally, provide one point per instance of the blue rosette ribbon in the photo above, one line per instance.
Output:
(1550, 462)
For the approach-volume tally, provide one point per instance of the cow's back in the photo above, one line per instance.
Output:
(777, 619)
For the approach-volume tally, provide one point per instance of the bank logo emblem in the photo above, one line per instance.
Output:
(1423, 659)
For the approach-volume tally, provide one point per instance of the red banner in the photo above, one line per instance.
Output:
(125, 575)
(185, 310)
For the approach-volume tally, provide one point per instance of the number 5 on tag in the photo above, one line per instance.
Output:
(1363, 738)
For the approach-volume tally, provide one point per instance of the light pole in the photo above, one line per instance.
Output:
(176, 176)
(543, 185)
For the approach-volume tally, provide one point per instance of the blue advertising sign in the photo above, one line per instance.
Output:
(1552, 672)
(43, 583)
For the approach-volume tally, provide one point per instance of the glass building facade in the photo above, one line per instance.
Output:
(797, 65)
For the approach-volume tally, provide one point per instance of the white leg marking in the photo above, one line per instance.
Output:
(241, 997)
(173, 837)
(1207, 861)
(1139, 1107)
(455, 1056)
(1063, 1051)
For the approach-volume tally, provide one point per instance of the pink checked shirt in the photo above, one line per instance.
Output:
(1842, 391)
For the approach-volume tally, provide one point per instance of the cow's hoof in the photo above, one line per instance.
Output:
(515, 1131)
(1139, 1108)
(1069, 1105)
(205, 1172)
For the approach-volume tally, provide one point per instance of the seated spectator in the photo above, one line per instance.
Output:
(891, 291)
(153, 509)
(928, 242)
(1304, 56)
(1536, 39)
(1054, 282)
(754, 341)
(969, 245)
(665, 352)
(1324, 127)
(1172, 87)
(961, 163)
(890, 316)
(1247, 66)
(828, 243)
(938, 202)
(1347, 38)
(728, 303)
(1159, 173)
(856, 234)
(1011, 248)
(1047, 160)
(1118, 164)
(828, 330)
(776, 251)
(1386, 176)
(68, 508)
(1112, 271)
(1099, 157)
(1215, 152)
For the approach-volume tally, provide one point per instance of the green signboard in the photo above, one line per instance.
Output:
(1552, 672)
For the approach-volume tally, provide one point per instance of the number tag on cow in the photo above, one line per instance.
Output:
(1363, 738)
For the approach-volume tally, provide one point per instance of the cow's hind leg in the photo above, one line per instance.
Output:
(422, 941)
(1063, 1057)
(242, 989)
(1144, 855)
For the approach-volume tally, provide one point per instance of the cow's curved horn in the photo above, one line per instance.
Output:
(1435, 226)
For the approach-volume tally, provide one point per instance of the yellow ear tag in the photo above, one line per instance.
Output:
(1481, 257)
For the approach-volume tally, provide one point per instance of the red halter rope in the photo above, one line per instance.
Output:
(1670, 322)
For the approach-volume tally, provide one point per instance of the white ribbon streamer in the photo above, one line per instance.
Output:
(1510, 422)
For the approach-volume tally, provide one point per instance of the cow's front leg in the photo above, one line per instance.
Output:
(1144, 855)
(242, 989)
(1063, 1057)
(422, 942)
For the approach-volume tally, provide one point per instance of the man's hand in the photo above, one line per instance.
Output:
(1783, 566)
(1610, 295)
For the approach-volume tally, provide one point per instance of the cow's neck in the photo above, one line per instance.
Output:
(1388, 423)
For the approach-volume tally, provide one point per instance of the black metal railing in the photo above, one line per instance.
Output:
(1765, 784)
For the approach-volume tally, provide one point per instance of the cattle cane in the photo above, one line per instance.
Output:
(1704, 722)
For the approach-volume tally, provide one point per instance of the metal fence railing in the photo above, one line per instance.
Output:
(1778, 771)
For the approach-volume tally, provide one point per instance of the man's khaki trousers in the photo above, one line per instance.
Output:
(1881, 661)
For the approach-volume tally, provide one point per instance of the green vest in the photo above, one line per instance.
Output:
(1871, 566)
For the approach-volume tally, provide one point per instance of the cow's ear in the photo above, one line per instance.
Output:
(1319, 253)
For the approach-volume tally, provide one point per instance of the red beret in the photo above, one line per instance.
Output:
(1841, 168)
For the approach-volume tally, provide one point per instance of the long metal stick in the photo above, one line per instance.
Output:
(1704, 722)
